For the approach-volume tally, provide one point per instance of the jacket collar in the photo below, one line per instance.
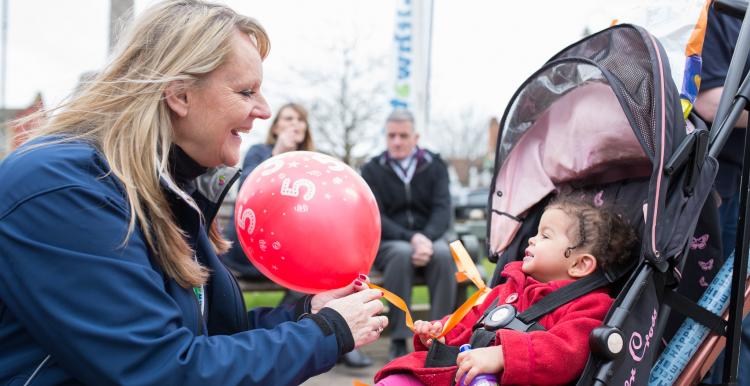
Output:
(423, 157)
(210, 187)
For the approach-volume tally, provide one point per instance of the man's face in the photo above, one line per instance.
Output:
(400, 139)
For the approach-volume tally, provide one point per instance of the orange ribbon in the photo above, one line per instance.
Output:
(466, 270)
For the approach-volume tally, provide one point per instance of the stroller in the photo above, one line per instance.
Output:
(603, 119)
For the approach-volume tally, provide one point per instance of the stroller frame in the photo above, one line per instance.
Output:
(734, 100)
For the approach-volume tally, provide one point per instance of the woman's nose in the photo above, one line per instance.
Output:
(262, 110)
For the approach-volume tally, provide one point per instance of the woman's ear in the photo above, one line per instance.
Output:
(176, 96)
(585, 264)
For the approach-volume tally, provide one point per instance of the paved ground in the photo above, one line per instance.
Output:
(342, 375)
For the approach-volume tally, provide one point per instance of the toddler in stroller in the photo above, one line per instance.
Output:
(601, 116)
(574, 240)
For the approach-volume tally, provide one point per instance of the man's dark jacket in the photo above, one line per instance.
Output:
(423, 205)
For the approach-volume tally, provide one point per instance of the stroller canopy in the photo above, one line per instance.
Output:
(601, 110)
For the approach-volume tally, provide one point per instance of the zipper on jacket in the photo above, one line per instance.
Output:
(238, 291)
(223, 195)
(409, 215)
(199, 320)
(36, 371)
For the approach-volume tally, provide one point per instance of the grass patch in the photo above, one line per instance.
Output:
(262, 299)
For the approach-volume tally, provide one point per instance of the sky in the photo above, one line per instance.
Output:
(482, 50)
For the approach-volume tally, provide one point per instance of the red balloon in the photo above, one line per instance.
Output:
(308, 221)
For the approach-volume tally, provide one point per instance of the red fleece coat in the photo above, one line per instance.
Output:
(552, 357)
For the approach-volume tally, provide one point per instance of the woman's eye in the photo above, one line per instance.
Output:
(247, 93)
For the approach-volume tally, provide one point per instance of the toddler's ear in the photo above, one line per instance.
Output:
(585, 264)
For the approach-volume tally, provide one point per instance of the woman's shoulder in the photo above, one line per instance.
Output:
(260, 148)
(45, 164)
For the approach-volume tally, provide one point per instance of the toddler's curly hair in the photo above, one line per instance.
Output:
(601, 231)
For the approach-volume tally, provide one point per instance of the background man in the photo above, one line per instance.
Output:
(411, 187)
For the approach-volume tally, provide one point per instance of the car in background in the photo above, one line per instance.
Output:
(470, 220)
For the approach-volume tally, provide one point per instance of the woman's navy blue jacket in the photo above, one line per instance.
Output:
(77, 306)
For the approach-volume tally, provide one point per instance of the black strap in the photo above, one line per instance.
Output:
(564, 295)
(689, 308)
(481, 338)
(441, 355)
(506, 214)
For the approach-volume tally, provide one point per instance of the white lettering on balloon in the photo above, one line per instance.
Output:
(294, 190)
(333, 165)
(245, 216)
(637, 345)
(273, 166)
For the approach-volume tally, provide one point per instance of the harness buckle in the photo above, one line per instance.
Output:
(505, 316)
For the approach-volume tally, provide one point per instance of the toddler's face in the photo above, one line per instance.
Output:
(545, 256)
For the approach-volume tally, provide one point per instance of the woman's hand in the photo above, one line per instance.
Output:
(485, 360)
(360, 310)
(426, 331)
(285, 141)
(320, 300)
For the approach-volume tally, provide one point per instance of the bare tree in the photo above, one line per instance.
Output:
(120, 14)
(463, 136)
(350, 101)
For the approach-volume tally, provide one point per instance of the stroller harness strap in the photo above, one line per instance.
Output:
(564, 295)
(527, 321)
(689, 308)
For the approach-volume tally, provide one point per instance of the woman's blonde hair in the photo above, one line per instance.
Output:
(307, 143)
(122, 112)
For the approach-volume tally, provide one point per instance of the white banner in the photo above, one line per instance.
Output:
(412, 49)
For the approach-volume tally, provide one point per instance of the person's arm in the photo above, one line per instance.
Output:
(254, 157)
(390, 230)
(558, 355)
(440, 217)
(719, 44)
(707, 104)
(103, 314)
(269, 317)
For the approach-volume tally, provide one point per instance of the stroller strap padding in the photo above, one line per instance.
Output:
(680, 303)
(482, 337)
(564, 295)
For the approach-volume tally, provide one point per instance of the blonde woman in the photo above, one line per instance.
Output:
(108, 257)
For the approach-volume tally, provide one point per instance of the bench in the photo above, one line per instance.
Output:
(421, 311)
(224, 215)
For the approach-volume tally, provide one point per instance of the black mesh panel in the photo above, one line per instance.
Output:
(624, 55)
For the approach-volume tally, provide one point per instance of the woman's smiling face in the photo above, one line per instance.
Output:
(222, 105)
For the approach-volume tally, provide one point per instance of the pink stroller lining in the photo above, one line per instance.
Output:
(583, 136)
